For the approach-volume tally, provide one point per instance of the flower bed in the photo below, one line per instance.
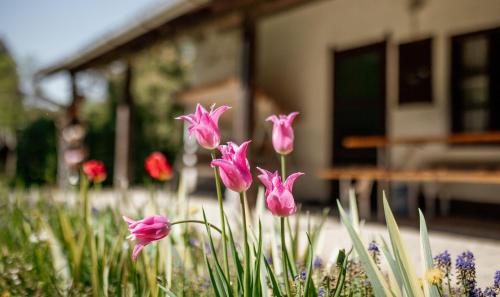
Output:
(54, 249)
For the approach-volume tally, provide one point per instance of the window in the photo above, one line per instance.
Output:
(415, 71)
(475, 81)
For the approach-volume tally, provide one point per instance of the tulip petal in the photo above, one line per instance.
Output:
(215, 114)
(291, 180)
(138, 248)
(128, 220)
(272, 118)
(291, 117)
(265, 178)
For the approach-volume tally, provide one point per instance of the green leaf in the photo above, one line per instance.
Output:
(236, 258)
(353, 210)
(218, 268)
(342, 264)
(272, 277)
(395, 277)
(426, 254)
(309, 289)
(213, 281)
(166, 291)
(410, 280)
(377, 280)
(256, 285)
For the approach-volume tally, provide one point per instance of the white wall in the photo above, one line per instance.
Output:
(294, 67)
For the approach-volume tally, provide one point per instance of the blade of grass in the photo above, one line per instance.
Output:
(377, 280)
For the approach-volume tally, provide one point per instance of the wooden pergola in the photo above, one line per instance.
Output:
(164, 25)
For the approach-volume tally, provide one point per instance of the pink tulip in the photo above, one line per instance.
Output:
(279, 198)
(205, 125)
(146, 231)
(283, 132)
(234, 166)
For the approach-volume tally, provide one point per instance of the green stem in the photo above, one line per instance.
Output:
(221, 213)
(246, 273)
(283, 168)
(197, 222)
(84, 191)
(284, 257)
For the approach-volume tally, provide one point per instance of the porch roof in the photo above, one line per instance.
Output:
(159, 25)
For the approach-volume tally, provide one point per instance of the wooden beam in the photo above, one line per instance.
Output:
(356, 142)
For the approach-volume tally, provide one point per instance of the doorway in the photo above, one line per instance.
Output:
(359, 102)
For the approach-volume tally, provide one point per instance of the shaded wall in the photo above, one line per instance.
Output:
(294, 66)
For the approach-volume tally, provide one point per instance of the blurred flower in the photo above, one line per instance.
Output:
(146, 231)
(443, 261)
(194, 242)
(317, 263)
(279, 198)
(321, 292)
(373, 247)
(496, 279)
(205, 125)
(303, 275)
(466, 272)
(157, 167)
(95, 171)
(269, 260)
(490, 292)
(283, 135)
(434, 276)
(234, 166)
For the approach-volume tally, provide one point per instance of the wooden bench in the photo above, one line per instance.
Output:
(429, 179)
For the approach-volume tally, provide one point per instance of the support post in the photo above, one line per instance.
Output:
(122, 168)
(245, 113)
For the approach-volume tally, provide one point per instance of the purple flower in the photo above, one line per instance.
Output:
(303, 275)
(317, 263)
(490, 292)
(496, 279)
(443, 260)
(373, 247)
(466, 273)
(321, 292)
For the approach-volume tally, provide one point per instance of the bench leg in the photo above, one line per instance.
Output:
(345, 185)
(413, 199)
(444, 202)
(430, 194)
(364, 189)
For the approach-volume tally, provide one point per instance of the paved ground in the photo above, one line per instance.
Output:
(334, 235)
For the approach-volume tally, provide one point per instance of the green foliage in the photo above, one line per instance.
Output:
(156, 76)
(11, 106)
(37, 153)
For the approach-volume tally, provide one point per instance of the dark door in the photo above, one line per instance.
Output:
(359, 104)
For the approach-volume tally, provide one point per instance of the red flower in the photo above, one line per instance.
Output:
(157, 166)
(95, 171)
